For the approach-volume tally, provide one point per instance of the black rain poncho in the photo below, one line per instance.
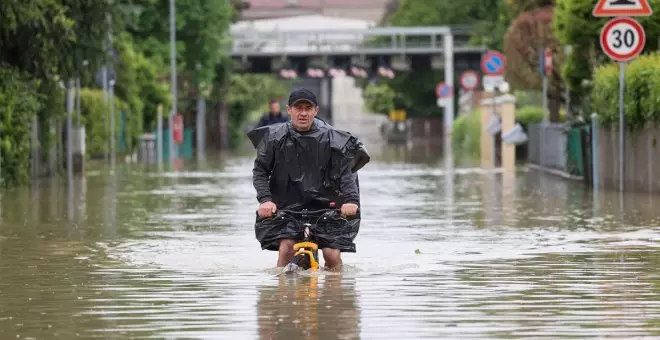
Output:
(298, 170)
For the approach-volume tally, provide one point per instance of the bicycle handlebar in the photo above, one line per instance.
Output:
(307, 211)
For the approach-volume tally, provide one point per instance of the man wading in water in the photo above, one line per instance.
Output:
(306, 164)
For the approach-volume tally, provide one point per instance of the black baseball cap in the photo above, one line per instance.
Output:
(302, 94)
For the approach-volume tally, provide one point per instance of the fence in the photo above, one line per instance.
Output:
(547, 145)
(570, 151)
(642, 159)
(147, 150)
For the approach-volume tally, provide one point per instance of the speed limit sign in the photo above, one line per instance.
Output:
(622, 39)
(469, 80)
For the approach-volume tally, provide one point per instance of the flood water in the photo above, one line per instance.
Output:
(442, 252)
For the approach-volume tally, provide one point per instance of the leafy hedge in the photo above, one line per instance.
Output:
(529, 114)
(641, 96)
(466, 133)
(19, 103)
(93, 116)
(379, 98)
(574, 25)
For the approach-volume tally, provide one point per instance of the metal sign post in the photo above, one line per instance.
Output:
(492, 65)
(622, 39)
(545, 69)
(449, 80)
(469, 82)
(174, 79)
(444, 92)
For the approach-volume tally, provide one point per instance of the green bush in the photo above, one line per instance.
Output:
(466, 133)
(641, 93)
(379, 98)
(139, 85)
(19, 103)
(93, 116)
(529, 114)
(574, 25)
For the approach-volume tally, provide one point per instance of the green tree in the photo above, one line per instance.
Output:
(43, 45)
(574, 25)
(38, 36)
(528, 34)
(379, 98)
(487, 20)
(127, 87)
(201, 34)
(94, 118)
(19, 102)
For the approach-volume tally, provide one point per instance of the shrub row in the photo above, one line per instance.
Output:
(641, 92)
(19, 103)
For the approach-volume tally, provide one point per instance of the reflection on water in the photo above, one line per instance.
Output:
(310, 306)
(443, 252)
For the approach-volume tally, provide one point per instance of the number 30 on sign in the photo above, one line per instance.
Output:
(622, 39)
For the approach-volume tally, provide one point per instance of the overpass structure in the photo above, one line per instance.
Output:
(302, 43)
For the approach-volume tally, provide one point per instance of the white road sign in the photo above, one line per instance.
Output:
(622, 39)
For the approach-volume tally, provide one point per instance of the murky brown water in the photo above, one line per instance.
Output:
(470, 255)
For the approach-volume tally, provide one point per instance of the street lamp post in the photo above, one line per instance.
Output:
(173, 75)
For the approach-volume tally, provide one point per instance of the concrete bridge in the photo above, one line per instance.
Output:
(301, 43)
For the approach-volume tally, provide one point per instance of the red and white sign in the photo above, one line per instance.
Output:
(177, 128)
(547, 61)
(622, 8)
(443, 90)
(622, 39)
(469, 80)
(493, 63)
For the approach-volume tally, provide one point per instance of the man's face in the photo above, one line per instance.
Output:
(302, 114)
(275, 107)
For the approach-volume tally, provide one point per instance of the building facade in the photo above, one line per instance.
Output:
(371, 10)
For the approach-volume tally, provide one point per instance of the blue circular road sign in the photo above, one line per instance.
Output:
(493, 63)
(443, 90)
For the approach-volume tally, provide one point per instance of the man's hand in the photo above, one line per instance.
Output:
(267, 209)
(349, 209)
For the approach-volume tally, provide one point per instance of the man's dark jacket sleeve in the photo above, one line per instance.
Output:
(263, 164)
(353, 156)
(347, 183)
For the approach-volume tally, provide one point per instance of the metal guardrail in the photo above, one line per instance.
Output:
(377, 40)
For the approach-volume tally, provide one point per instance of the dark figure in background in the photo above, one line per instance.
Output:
(273, 116)
(306, 164)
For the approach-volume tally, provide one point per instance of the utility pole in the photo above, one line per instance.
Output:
(173, 75)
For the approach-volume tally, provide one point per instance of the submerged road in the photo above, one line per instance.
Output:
(443, 252)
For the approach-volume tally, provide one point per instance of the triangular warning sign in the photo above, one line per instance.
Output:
(622, 8)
